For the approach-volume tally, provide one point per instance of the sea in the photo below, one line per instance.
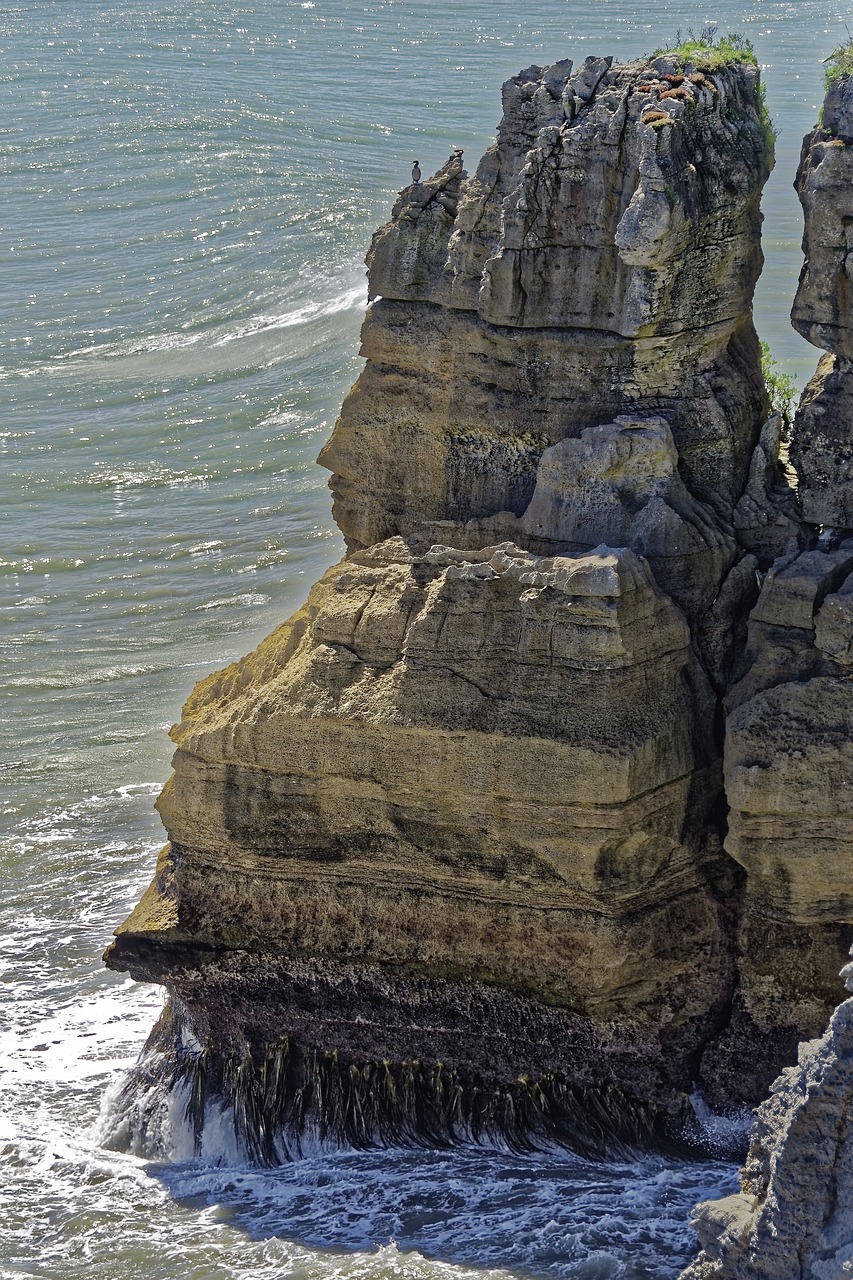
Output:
(188, 191)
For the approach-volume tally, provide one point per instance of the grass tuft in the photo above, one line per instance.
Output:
(839, 64)
(707, 52)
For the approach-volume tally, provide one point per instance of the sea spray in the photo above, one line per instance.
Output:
(281, 1099)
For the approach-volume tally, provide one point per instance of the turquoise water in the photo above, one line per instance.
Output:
(188, 191)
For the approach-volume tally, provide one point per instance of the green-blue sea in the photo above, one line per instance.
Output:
(188, 190)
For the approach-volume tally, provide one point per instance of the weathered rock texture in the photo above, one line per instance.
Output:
(823, 308)
(788, 761)
(445, 852)
(473, 767)
(793, 1218)
(822, 443)
(789, 782)
(601, 259)
(822, 440)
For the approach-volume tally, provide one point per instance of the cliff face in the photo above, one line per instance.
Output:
(445, 852)
(821, 446)
(788, 762)
(476, 767)
(789, 773)
(602, 259)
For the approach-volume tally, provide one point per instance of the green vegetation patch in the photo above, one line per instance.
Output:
(781, 388)
(839, 64)
(766, 120)
(706, 52)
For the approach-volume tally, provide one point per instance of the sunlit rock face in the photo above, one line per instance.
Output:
(445, 852)
(601, 260)
(497, 768)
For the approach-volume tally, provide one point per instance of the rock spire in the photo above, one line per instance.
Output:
(445, 852)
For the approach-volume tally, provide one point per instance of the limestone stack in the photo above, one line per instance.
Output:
(788, 752)
(445, 852)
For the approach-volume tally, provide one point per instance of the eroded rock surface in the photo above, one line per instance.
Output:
(822, 445)
(445, 852)
(793, 1218)
(601, 260)
(788, 783)
(619, 483)
(788, 765)
(822, 309)
(821, 448)
(493, 767)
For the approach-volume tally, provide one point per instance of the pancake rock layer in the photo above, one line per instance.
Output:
(601, 259)
(444, 853)
(481, 768)
(789, 781)
(788, 761)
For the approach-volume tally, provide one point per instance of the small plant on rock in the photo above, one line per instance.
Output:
(839, 64)
(781, 387)
(706, 51)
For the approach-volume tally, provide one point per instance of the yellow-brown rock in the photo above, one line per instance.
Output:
(488, 767)
(444, 852)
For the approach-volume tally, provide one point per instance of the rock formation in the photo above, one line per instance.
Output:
(601, 261)
(484, 770)
(789, 777)
(445, 853)
(788, 758)
(822, 443)
(793, 1218)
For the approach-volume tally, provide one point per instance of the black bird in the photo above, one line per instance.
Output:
(416, 172)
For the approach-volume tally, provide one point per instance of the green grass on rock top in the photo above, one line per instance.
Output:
(839, 64)
(707, 53)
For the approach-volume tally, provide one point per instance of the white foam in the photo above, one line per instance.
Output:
(248, 599)
(716, 1132)
(304, 314)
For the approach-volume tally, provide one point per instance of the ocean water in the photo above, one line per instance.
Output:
(188, 192)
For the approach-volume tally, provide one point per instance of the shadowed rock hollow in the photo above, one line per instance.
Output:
(445, 854)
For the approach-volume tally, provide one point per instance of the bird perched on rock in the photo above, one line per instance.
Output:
(416, 173)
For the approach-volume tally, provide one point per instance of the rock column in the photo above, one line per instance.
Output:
(444, 853)
(788, 753)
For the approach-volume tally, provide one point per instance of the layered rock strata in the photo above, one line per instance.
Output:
(445, 852)
(601, 259)
(788, 761)
(455, 777)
